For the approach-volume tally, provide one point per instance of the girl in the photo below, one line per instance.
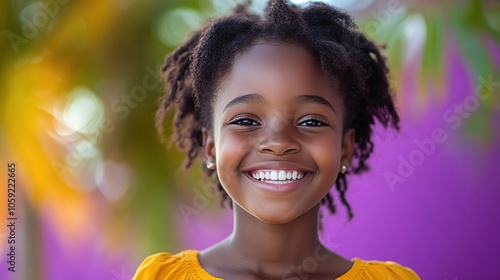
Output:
(281, 108)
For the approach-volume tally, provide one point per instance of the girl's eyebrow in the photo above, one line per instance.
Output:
(247, 98)
(314, 99)
(257, 98)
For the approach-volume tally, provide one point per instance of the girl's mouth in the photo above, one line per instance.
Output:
(277, 180)
(277, 176)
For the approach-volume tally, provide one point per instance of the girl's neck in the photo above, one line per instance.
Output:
(284, 243)
(273, 251)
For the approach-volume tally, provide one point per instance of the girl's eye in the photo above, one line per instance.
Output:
(244, 121)
(313, 122)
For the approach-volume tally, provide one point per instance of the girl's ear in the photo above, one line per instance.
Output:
(208, 146)
(347, 147)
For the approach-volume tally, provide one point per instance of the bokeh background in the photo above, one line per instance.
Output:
(96, 191)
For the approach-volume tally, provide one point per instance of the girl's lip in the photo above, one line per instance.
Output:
(286, 187)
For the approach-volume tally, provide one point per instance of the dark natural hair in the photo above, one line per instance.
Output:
(352, 63)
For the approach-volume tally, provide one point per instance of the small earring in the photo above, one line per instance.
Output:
(210, 165)
(343, 169)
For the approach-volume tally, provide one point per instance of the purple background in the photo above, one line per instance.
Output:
(442, 221)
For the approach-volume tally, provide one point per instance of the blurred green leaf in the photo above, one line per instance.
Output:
(476, 18)
(431, 70)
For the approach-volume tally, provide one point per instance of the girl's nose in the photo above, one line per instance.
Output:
(278, 142)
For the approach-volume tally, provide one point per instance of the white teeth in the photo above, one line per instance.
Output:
(274, 175)
(278, 175)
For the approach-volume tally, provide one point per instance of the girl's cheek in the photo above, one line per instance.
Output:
(237, 141)
(325, 151)
(231, 151)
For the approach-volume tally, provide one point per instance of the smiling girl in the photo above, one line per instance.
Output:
(281, 108)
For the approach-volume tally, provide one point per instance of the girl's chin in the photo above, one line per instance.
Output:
(276, 220)
(277, 216)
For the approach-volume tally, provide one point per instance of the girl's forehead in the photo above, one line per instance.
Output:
(275, 69)
(273, 63)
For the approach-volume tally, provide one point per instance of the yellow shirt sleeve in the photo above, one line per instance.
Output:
(185, 266)
(166, 266)
(372, 270)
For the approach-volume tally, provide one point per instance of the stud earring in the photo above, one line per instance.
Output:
(343, 169)
(210, 165)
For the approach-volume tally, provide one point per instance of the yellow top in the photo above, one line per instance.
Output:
(185, 265)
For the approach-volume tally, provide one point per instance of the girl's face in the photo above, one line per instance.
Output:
(277, 138)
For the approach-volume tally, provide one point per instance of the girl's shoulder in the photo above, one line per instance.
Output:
(368, 270)
(185, 265)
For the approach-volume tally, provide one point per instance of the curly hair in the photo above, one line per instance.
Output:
(351, 62)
